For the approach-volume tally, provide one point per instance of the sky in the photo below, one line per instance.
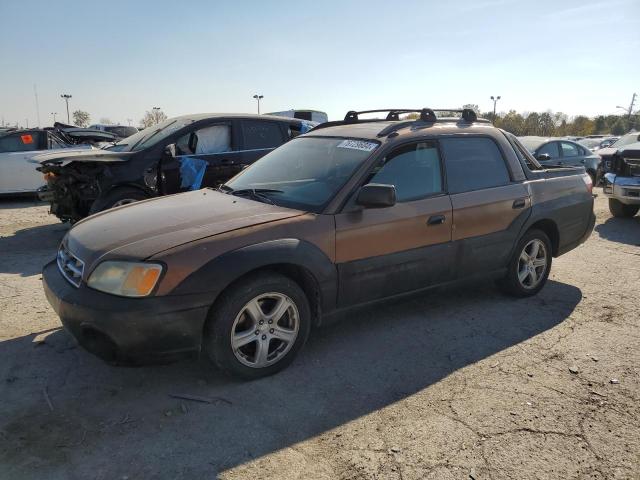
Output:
(119, 59)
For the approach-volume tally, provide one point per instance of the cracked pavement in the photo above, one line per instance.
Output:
(457, 383)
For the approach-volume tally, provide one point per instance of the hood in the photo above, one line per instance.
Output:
(140, 230)
(65, 156)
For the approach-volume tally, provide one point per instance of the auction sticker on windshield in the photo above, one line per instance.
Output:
(358, 145)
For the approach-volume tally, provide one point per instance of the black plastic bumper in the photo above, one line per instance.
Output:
(127, 330)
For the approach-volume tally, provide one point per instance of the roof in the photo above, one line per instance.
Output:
(205, 116)
(372, 129)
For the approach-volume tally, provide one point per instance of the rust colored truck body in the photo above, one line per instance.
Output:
(464, 195)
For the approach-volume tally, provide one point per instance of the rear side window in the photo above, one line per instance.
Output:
(413, 169)
(473, 164)
(259, 134)
(20, 142)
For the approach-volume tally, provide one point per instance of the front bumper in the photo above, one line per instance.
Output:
(127, 330)
(624, 189)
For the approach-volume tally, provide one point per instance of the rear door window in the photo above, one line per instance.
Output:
(261, 135)
(569, 149)
(413, 169)
(473, 164)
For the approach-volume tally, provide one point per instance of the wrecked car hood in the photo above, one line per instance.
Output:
(68, 156)
(140, 230)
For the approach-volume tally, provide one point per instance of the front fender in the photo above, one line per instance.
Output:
(220, 272)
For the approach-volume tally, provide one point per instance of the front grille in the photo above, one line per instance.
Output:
(634, 167)
(70, 266)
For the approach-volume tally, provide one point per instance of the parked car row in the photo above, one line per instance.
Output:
(350, 213)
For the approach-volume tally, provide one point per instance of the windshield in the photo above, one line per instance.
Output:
(628, 139)
(306, 172)
(150, 136)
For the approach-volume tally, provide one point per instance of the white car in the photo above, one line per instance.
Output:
(18, 172)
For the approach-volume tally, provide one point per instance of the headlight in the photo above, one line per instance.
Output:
(128, 279)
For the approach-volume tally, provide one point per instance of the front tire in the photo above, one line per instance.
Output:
(258, 326)
(116, 198)
(621, 210)
(529, 266)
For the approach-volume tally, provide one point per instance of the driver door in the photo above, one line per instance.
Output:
(386, 251)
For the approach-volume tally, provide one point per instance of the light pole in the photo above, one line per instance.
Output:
(156, 114)
(66, 97)
(54, 116)
(495, 100)
(258, 98)
(630, 109)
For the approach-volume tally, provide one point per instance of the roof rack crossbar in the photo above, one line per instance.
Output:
(427, 115)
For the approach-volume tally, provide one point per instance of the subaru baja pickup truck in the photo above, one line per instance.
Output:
(351, 213)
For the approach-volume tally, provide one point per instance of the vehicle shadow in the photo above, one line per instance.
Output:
(27, 250)
(65, 412)
(621, 230)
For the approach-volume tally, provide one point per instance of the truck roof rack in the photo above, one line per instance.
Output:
(427, 115)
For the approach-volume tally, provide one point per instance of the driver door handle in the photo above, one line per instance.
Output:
(519, 203)
(436, 220)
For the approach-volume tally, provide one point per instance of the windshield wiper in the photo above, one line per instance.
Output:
(256, 193)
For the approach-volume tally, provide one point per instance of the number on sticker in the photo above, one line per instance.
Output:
(358, 145)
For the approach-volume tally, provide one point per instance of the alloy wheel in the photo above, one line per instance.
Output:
(532, 264)
(265, 330)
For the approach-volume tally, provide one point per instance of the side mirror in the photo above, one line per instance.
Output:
(376, 195)
(543, 157)
(170, 150)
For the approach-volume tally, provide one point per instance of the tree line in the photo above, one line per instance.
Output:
(558, 124)
(151, 117)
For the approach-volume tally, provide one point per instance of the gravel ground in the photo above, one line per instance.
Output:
(459, 383)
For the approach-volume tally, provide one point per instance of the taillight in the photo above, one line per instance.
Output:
(588, 182)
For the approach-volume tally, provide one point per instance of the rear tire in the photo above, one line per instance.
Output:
(621, 210)
(117, 197)
(258, 326)
(529, 266)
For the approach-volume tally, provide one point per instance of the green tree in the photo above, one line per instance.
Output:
(619, 128)
(512, 122)
(81, 118)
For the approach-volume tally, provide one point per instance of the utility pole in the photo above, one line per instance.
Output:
(54, 116)
(495, 100)
(66, 97)
(258, 98)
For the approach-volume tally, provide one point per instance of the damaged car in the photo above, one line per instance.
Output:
(18, 147)
(180, 154)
